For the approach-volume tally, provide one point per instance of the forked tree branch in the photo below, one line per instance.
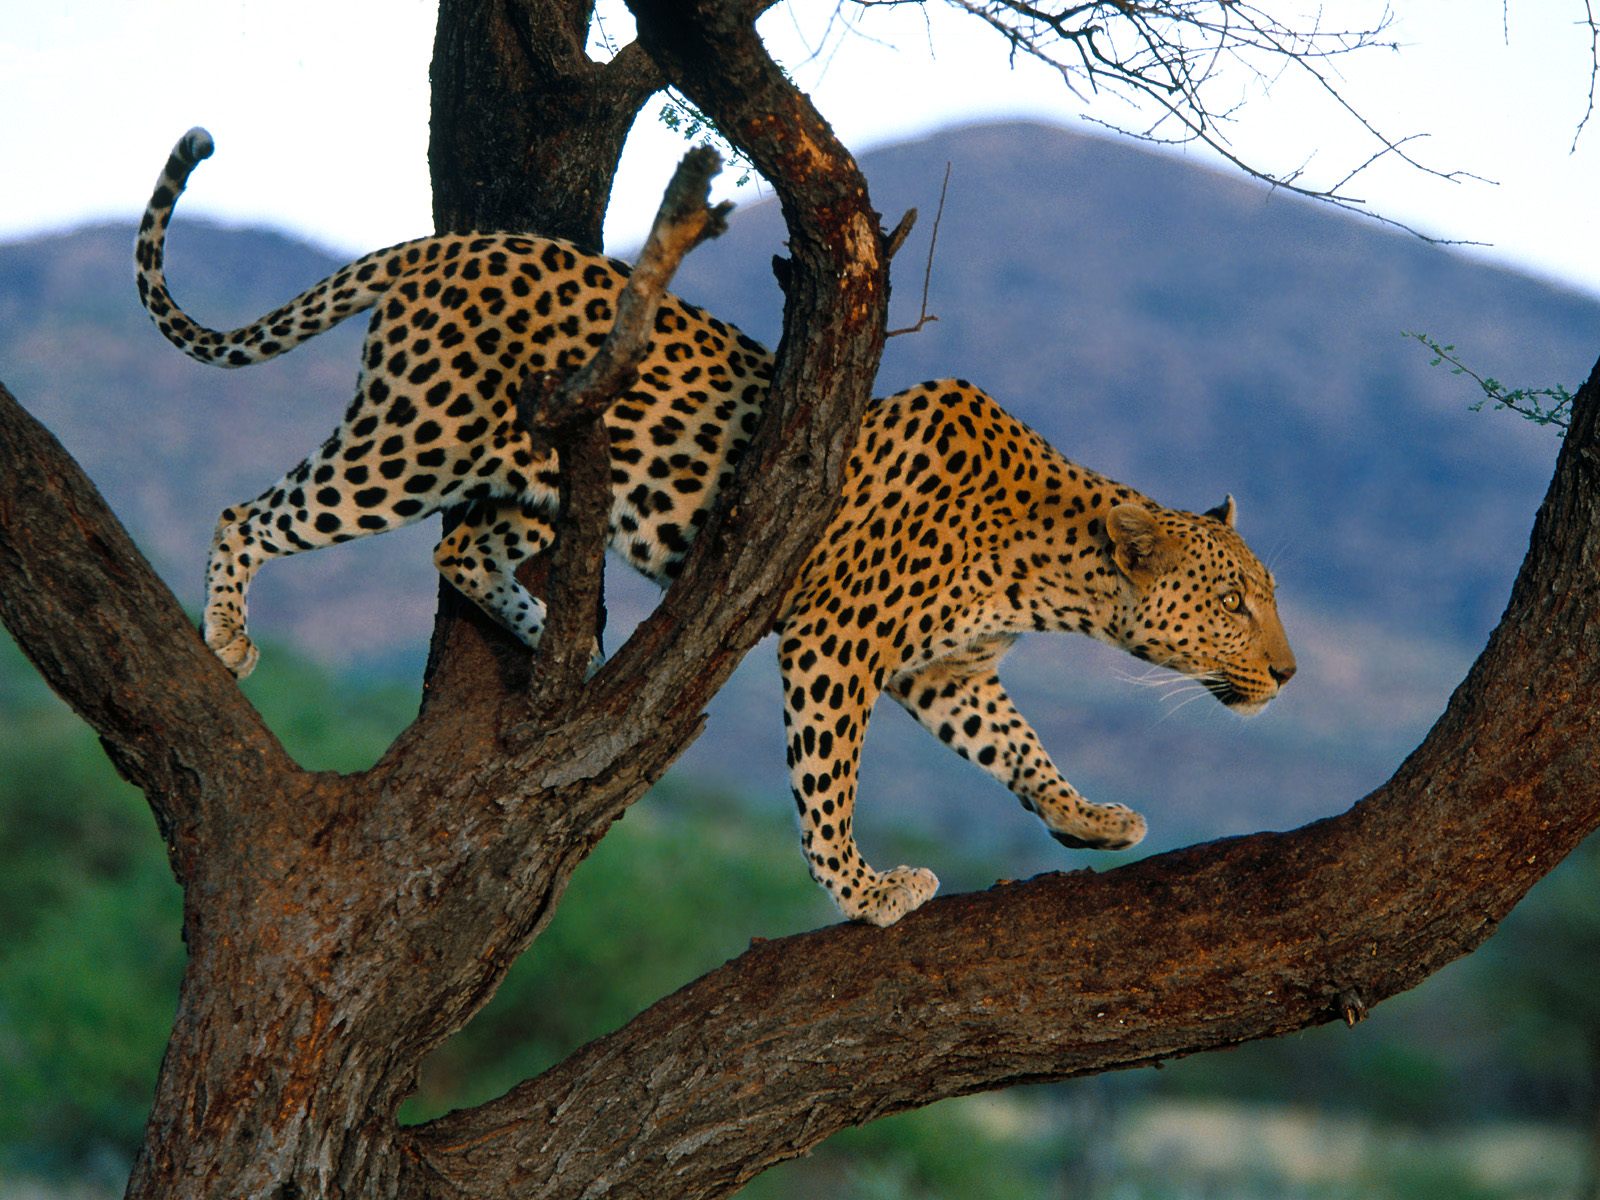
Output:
(108, 635)
(567, 414)
(646, 702)
(1069, 975)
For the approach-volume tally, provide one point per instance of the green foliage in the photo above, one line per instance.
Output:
(683, 117)
(1426, 1057)
(998, 1147)
(89, 950)
(325, 722)
(1541, 978)
(85, 1005)
(90, 917)
(1542, 406)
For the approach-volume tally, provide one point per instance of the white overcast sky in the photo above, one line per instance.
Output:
(320, 111)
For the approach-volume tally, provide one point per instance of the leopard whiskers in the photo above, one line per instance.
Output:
(1176, 690)
(1182, 697)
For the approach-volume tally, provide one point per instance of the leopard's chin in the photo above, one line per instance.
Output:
(1244, 703)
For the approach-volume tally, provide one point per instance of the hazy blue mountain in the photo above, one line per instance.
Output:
(1184, 331)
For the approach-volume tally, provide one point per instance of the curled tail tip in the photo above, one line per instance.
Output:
(194, 146)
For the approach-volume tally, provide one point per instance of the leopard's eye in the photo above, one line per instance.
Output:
(1232, 602)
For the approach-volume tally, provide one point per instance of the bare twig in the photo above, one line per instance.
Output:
(682, 223)
(1594, 69)
(927, 273)
(1172, 57)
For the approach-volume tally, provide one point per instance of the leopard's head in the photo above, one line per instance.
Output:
(1197, 600)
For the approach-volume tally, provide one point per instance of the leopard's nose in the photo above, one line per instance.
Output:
(1282, 675)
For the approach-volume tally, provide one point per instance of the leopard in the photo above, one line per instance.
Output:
(959, 528)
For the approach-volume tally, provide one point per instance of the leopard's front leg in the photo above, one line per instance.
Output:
(961, 701)
(825, 710)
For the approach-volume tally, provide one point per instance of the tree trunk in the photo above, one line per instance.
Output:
(527, 129)
(526, 134)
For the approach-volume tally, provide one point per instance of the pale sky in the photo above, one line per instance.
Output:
(320, 112)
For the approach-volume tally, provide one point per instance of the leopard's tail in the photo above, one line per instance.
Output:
(349, 290)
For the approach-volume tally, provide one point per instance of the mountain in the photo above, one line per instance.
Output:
(1185, 331)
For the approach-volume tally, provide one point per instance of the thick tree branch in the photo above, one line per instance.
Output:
(1073, 974)
(111, 639)
(574, 578)
(833, 336)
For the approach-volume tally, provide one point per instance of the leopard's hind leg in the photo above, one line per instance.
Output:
(338, 494)
(479, 557)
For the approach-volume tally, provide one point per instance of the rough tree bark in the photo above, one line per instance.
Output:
(526, 134)
(341, 927)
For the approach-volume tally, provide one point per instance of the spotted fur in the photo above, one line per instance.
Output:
(960, 529)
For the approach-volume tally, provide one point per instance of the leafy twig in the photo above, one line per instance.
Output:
(1542, 406)
(683, 117)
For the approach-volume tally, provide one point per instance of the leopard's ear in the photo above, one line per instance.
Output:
(1224, 512)
(1141, 549)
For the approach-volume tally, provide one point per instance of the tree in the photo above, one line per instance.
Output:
(339, 927)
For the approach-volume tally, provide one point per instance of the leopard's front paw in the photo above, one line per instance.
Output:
(1102, 827)
(237, 652)
(887, 897)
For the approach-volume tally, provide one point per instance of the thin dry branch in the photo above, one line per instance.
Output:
(1593, 24)
(1176, 56)
(923, 316)
(681, 223)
